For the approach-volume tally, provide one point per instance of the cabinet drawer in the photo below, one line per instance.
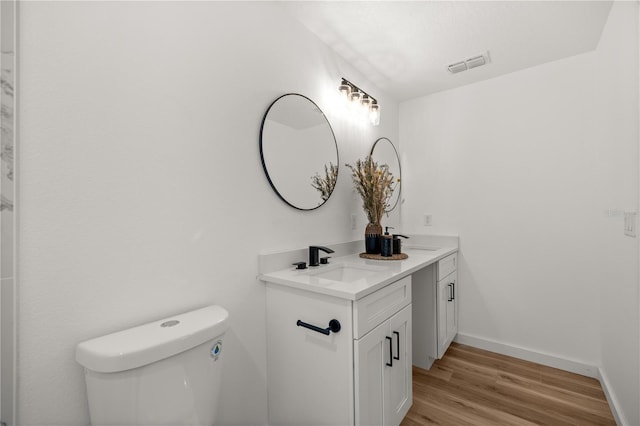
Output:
(447, 265)
(373, 309)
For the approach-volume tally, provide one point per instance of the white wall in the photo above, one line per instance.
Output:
(141, 188)
(620, 319)
(526, 168)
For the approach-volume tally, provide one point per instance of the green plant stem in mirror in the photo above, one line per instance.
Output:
(325, 184)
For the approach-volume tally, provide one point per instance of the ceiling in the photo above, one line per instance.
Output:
(296, 112)
(404, 47)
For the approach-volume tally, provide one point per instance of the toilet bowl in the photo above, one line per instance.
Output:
(166, 372)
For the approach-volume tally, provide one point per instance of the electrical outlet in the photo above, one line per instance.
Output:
(354, 221)
(630, 224)
(426, 220)
(613, 213)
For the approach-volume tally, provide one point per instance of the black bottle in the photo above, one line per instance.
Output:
(387, 244)
(397, 243)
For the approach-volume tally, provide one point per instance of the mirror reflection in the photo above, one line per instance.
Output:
(383, 152)
(299, 152)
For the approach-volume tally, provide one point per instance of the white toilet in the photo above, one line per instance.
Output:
(163, 373)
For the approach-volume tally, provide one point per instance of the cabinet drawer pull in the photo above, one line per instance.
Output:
(334, 325)
(397, 346)
(390, 363)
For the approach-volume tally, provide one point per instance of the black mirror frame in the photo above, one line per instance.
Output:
(264, 166)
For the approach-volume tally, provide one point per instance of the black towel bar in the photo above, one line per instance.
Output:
(334, 325)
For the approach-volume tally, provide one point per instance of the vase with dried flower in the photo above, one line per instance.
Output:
(374, 183)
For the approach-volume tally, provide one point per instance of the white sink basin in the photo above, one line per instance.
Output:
(345, 272)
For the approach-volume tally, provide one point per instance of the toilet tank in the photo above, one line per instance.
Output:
(166, 372)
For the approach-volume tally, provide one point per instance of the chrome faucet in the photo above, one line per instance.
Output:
(314, 255)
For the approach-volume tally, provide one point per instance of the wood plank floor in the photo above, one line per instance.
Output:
(470, 386)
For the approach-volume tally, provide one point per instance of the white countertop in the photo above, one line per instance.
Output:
(375, 273)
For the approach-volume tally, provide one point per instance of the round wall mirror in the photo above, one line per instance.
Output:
(299, 152)
(383, 152)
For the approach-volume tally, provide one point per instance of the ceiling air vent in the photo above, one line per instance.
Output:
(458, 67)
(467, 64)
(475, 62)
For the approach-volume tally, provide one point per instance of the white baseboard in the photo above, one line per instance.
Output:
(529, 355)
(611, 399)
(550, 361)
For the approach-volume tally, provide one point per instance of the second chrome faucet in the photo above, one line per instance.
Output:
(314, 256)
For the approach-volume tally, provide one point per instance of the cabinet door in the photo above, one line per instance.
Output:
(444, 296)
(372, 354)
(383, 378)
(398, 384)
(452, 309)
(447, 312)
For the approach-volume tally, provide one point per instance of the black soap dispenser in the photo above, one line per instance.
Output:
(397, 243)
(387, 243)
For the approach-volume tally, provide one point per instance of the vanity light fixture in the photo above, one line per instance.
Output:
(358, 99)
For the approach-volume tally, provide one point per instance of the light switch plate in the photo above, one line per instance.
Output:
(426, 220)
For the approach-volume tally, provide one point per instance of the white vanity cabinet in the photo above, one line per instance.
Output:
(436, 290)
(359, 375)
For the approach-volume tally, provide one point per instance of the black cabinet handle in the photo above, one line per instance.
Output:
(334, 325)
(450, 293)
(453, 291)
(390, 363)
(397, 345)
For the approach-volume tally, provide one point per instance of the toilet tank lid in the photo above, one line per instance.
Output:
(152, 342)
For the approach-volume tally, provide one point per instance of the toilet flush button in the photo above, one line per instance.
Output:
(170, 323)
(216, 349)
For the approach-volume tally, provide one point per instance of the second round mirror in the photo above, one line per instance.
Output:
(383, 152)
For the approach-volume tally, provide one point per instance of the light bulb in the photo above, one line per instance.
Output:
(345, 91)
(374, 114)
(363, 108)
(366, 102)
